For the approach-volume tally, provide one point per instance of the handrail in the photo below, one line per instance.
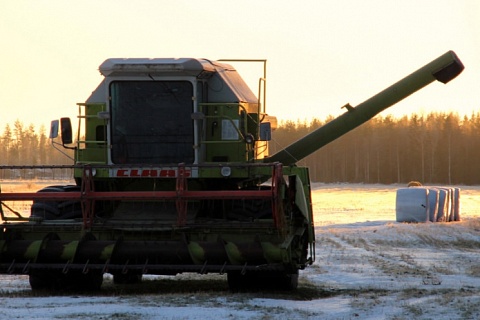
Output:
(262, 79)
(101, 144)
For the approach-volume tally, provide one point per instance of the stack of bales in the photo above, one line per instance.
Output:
(423, 204)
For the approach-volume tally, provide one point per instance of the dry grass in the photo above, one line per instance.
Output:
(29, 185)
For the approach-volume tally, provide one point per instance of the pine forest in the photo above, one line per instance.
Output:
(438, 148)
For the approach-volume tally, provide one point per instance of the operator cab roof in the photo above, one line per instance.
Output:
(225, 85)
(163, 66)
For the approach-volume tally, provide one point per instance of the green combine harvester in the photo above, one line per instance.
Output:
(172, 175)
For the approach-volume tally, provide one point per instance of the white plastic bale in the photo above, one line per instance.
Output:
(433, 196)
(456, 206)
(442, 205)
(452, 204)
(412, 205)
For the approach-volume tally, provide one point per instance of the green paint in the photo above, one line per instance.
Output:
(107, 252)
(234, 253)
(197, 253)
(32, 251)
(69, 250)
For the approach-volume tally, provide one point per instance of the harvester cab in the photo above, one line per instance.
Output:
(172, 174)
(170, 111)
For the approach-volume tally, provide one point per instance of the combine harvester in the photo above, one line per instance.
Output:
(172, 175)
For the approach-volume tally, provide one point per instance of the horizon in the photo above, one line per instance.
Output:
(320, 55)
(280, 121)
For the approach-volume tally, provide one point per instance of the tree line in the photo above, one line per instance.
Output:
(22, 145)
(438, 148)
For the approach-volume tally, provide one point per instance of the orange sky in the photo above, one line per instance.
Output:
(321, 54)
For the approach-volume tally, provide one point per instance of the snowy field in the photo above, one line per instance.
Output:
(367, 267)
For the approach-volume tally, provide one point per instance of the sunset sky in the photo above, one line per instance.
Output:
(321, 54)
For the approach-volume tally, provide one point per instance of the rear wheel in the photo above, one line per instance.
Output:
(287, 281)
(45, 280)
(236, 281)
(74, 280)
(78, 281)
(255, 281)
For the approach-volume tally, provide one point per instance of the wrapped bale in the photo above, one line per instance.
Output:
(443, 204)
(433, 196)
(412, 205)
(451, 204)
(456, 204)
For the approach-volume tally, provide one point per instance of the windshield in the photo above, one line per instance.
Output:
(151, 122)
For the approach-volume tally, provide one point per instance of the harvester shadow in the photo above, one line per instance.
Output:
(207, 287)
(216, 287)
(212, 287)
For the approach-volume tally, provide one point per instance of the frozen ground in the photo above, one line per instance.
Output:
(367, 267)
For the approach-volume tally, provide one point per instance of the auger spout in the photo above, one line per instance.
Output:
(444, 68)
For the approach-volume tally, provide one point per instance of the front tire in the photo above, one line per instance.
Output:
(53, 210)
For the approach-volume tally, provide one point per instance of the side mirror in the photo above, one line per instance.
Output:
(66, 126)
(265, 131)
(54, 129)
